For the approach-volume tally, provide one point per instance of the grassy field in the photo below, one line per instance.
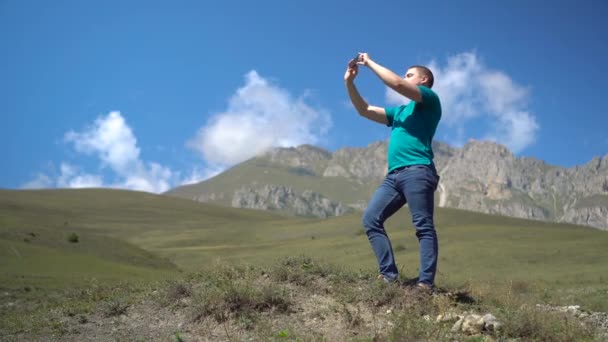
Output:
(141, 238)
(149, 230)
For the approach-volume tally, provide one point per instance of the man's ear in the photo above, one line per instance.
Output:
(425, 80)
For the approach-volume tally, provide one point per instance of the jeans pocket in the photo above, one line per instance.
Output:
(430, 174)
(423, 173)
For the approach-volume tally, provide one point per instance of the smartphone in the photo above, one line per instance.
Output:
(355, 59)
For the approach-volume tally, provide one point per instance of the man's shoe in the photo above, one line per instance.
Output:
(381, 277)
(425, 288)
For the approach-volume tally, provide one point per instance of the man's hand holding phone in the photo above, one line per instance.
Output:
(354, 61)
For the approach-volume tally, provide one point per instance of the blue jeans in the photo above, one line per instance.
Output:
(416, 186)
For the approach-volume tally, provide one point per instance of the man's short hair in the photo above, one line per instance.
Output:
(426, 72)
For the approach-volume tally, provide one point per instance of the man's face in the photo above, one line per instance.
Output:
(414, 77)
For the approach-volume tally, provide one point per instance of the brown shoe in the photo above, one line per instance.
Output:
(425, 288)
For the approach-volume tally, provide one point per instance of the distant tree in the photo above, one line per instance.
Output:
(73, 238)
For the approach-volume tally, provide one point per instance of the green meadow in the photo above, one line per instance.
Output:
(140, 238)
(152, 232)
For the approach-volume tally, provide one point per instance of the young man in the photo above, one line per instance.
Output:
(412, 177)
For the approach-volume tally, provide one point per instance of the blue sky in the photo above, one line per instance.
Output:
(148, 95)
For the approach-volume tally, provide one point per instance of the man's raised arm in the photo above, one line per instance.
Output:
(391, 79)
(373, 113)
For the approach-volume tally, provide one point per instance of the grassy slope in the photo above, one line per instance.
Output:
(27, 265)
(473, 246)
(34, 246)
(129, 235)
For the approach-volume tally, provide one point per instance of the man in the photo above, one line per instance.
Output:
(412, 177)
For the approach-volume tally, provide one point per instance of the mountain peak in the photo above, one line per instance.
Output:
(304, 150)
(486, 147)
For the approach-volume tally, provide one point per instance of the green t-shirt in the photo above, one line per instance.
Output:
(413, 127)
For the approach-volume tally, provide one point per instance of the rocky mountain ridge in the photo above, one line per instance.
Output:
(480, 176)
(272, 197)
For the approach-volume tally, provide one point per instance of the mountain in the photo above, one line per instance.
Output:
(481, 176)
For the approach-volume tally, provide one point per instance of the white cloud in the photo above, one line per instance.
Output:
(198, 174)
(72, 177)
(41, 181)
(515, 129)
(111, 140)
(259, 116)
(151, 177)
(471, 91)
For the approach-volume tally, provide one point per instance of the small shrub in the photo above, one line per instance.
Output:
(208, 302)
(73, 238)
(519, 286)
(347, 294)
(529, 323)
(283, 334)
(352, 318)
(223, 300)
(59, 327)
(114, 308)
(274, 298)
(295, 270)
(380, 294)
(178, 338)
(177, 291)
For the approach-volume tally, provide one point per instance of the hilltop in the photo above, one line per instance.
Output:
(481, 176)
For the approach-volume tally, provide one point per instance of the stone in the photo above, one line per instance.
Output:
(458, 325)
(491, 323)
(448, 317)
(472, 324)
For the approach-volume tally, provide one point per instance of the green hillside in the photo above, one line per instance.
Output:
(129, 243)
(35, 226)
(42, 246)
(146, 230)
(261, 171)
